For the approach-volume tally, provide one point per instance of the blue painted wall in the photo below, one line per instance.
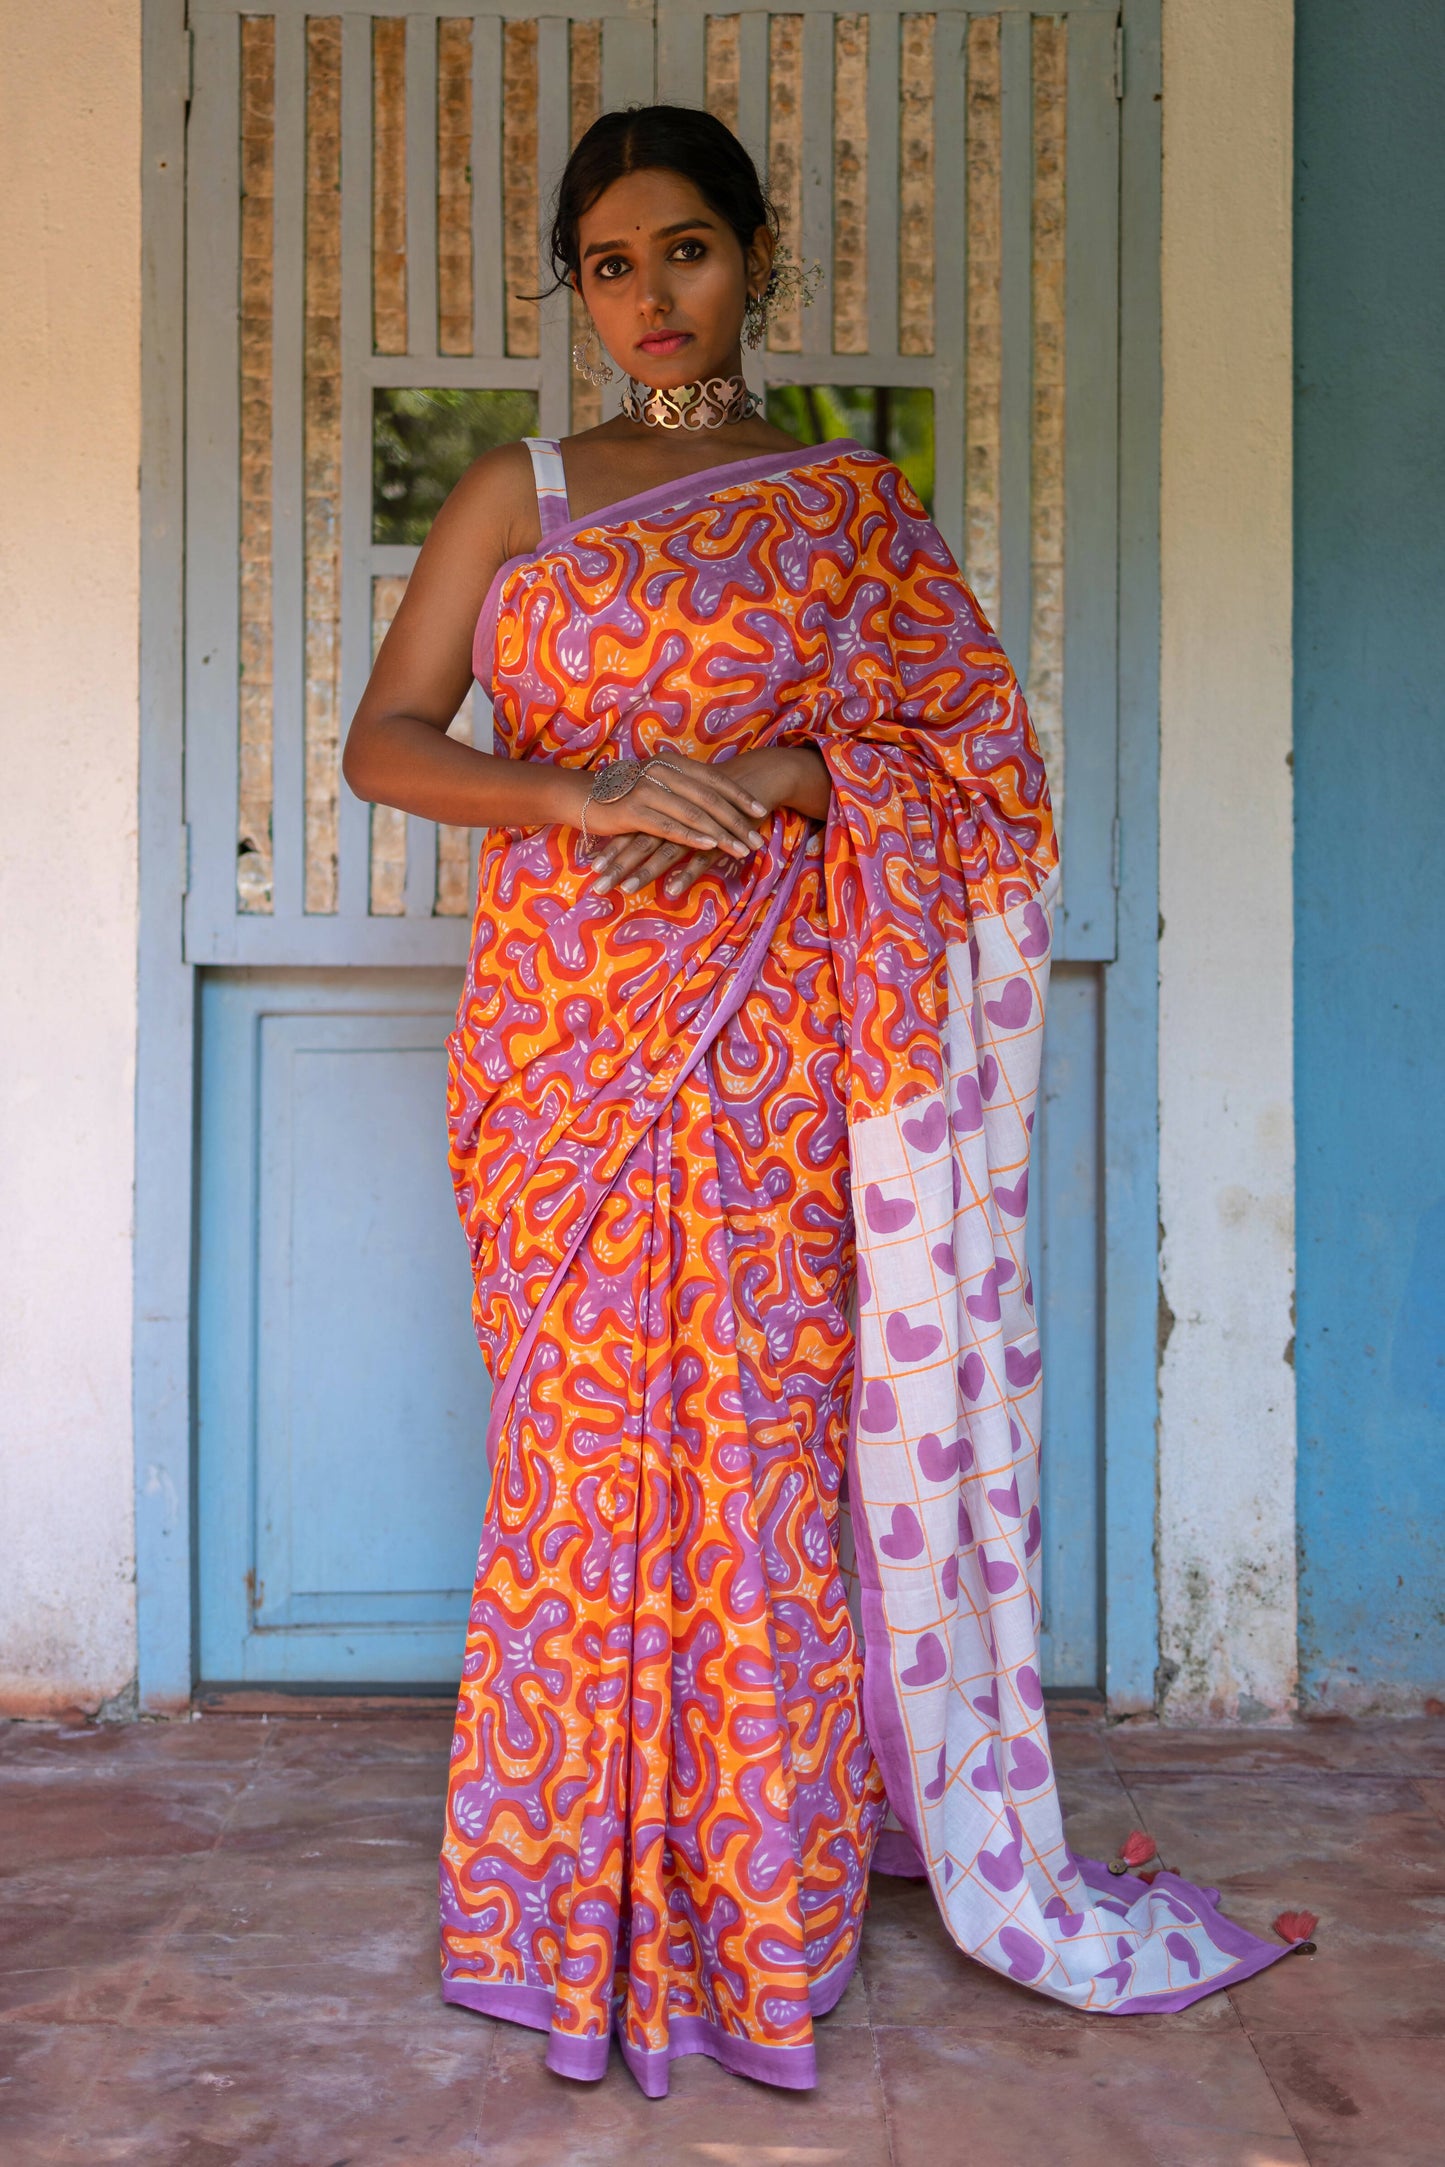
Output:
(1370, 841)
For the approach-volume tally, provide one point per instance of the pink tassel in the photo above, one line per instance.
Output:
(1298, 1927)
(1136, 1850)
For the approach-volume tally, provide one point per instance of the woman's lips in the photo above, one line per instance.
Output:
(663, 342)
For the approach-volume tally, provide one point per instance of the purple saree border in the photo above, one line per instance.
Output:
(1251, 1953)
(681, 495)
(791, 2068)
(739, 985)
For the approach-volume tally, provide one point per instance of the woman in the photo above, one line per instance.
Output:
(741, 1096)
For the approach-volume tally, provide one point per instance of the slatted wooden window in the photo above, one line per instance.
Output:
(369, 198)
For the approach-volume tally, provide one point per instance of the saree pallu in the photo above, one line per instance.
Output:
(744, 1179)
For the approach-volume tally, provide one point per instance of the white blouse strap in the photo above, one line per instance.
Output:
(552, 507)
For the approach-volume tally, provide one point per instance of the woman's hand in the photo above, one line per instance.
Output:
(770, 777)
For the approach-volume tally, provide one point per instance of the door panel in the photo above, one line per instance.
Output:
(368, 193)
(342, 1400)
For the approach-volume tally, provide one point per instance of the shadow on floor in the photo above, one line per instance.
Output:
(217, 1950)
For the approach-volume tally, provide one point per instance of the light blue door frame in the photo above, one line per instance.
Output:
(248, 1365)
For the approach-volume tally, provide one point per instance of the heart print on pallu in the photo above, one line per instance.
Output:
(944, 1483)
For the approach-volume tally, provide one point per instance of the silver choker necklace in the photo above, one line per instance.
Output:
(704, 405)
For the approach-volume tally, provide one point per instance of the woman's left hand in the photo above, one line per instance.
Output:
(776, 775)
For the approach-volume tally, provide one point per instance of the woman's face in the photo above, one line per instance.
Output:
(665, 279)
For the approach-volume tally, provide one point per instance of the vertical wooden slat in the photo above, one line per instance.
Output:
(388, 826)
(1091, 509)
(354, 825)
(254, 692)
(1015, 388)
(629, 60)
(981, 437)
(949, 222)
(851, 114)
(721, 69)
(288, 729)
(388, 182)
(212, 479)
(421, 184)
(681, 65)
(323, 457)
(585, 104)
(489, 329)
(454, 185)
(421, 244)
(1046, 628)
(785, 159)
(814, 239)
(554, 136)
(520, 196)
(916, 141)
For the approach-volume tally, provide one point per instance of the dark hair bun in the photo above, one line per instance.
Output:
(678, 138)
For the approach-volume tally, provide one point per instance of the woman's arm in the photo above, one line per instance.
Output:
(397, 749)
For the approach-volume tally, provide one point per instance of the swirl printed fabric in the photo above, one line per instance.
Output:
(744, 1180)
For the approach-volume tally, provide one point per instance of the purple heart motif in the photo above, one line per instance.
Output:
(1006, 1500)
(969, 1117)
(1177, 1910)
(1184, 1952)
(911, 1342)
(948, 1579)
(929, 1662)
(998, 1574)
(1003, 1869)
(957, 1182)
(1035, 942)
(1015, 1442)
(942, 1255)
(885, 1214)
(1122, 1972)
(972, 1376)
(1032, 1532)
(1026, 1959)
(939, 1783)
(1005, 1268)
(987, 1703)
(1014, 1201)
(1068, 1922)
(985, 1304)
(1029, 1290)
(1021, 1369)
(927, 1132)
(985, 1777)
(865, 1284)
(973, 959)
(1014, 1006)
(965, 1527)
(879, 1411)
(988, 1075)
(1030, 1767)
(905, 1538)
(1030, 1690)
(938, 1461)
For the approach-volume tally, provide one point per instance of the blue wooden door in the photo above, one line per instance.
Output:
(366, 196)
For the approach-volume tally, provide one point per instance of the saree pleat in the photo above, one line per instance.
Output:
(744, 1178)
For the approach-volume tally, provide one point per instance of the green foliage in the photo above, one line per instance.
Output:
(895, 420)
(422, 442)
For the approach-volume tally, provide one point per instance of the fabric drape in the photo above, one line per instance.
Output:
(744, 1178)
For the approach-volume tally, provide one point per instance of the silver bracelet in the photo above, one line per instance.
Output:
(614, 780)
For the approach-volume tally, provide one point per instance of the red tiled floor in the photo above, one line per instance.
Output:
(217, 1950)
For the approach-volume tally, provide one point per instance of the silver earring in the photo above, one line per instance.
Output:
(789, 285)
(587, 358)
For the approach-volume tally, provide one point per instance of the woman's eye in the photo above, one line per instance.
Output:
(612, 267)
(689, 251)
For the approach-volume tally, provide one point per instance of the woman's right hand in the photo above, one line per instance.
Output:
(691, 804)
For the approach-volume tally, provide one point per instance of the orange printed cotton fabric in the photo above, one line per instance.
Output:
(669, 1768)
